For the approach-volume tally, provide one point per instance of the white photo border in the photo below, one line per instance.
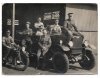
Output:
(49, 1)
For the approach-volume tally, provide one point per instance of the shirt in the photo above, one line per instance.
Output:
(71, 25)
(38, 25)
(7, 41)
(27, 33)
(45, 41)
(55, 30)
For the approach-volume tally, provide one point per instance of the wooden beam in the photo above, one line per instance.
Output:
(13, 21)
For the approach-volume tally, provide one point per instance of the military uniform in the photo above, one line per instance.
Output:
(55, 30)
(7, 41)
(55, 34)
(38, 25)
(27, 39)
(44, 42)
(71, 26)
(44, 45)
(72, 29)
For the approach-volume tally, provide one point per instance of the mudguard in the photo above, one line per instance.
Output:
(90, 47)
(87, 48)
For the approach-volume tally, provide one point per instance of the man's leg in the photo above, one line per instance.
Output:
(78, 34)
(6, 54)
(29, 46)
(70, 35)
(38, 58)
(46, 58)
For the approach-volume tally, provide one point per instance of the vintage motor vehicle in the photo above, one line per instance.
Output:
(76, 51)
(17, 58)
(63, 53)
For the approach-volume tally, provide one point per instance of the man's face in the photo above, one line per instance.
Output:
(56, 21)
(8, 33)
(27, 25)
(70, 16)
(45, 32)
(39, 19)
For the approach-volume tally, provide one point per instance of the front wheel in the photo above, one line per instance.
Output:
(60, 62)
(22, 61)
(88, 61)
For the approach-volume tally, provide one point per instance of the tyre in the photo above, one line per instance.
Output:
(88, 61)
(60, 62)
(21, 66)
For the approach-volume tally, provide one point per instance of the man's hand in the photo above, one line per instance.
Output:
(8, 47)
(44, 48)
(20, 33)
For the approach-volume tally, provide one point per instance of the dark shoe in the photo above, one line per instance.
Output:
(44, 67)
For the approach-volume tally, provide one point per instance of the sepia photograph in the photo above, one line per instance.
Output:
(49, 39)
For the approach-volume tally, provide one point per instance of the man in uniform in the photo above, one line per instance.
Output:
(38, 24)
(44, 45)
(55, 32)
(56, 29)
(7, 44)
(27, 37)
(71, 27)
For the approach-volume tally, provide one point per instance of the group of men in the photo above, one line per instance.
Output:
(43, 36)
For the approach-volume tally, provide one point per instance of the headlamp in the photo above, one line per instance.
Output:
(70, 43)
(86, 43)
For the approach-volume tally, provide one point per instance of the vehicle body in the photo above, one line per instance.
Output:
(65, 52)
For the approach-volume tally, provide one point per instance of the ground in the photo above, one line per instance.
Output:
(74, 69)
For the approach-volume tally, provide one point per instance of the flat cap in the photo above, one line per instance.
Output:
(70, 13)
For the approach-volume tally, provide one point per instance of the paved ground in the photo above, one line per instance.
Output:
(74, 69)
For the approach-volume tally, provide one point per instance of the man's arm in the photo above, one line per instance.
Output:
(31, 32)
(42, 25)
(49, 42)
(51, 29)
(4, 43)
(35, 26)
(59, 29)
(66, 25)
(12, 40)
(73, 24)
(40, 45)
(75, 28)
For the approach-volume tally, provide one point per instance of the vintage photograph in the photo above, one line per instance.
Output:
(49, 39)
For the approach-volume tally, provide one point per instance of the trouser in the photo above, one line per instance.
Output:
(45, 56)
(39, 57)
(28, 44)
(6, 52)
(74, 33)
(56, 39)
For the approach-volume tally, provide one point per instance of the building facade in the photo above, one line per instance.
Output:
(85, 16)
